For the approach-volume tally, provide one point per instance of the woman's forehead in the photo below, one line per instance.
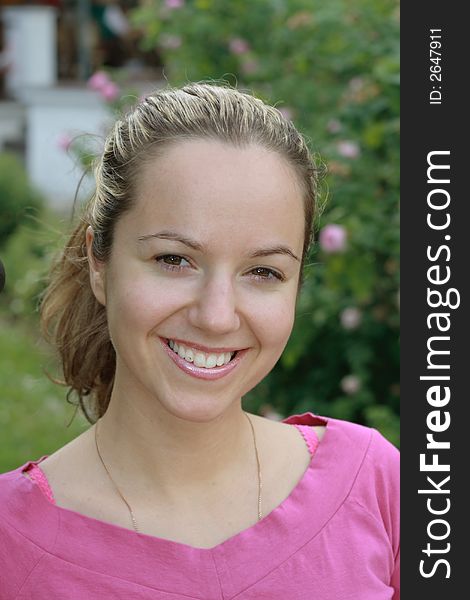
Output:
(201, 163)
(211, 189)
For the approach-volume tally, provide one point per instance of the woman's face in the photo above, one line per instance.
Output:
(201, 284)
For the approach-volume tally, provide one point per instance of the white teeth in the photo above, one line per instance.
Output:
(201, 359)
(211, 361)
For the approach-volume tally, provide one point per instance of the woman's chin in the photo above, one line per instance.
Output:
(198, 410)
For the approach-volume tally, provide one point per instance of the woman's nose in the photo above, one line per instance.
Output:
(214, 308)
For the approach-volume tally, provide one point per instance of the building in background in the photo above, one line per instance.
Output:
(48, 50)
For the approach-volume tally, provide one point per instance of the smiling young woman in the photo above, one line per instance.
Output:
(174, 297)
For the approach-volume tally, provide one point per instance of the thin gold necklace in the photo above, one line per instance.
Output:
(131, 512)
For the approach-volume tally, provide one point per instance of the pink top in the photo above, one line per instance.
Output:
(336, 537)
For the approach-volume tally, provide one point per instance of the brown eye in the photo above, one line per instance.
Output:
(172, 262)
(171, 259)
(267, 274)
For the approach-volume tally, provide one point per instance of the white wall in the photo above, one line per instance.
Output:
(30, 46)
(51, 114)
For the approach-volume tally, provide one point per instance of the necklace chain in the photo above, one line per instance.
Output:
(131, 512)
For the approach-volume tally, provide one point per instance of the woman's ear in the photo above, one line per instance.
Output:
(97, 269)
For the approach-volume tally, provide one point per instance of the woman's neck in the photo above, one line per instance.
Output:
(162, 455)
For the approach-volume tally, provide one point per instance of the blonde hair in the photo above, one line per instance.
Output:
(72, 319)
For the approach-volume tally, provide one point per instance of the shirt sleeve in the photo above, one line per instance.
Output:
(18, 557)
(386, 460)
(377, 489)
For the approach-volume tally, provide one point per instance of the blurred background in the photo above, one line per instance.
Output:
(68, 67)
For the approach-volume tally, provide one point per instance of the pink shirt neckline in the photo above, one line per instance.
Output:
(310, 438)
(42, 485)
(320, 493)
(39, 477)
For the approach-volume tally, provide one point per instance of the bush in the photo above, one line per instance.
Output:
(34, 413)
(18, 199)
(27, 257)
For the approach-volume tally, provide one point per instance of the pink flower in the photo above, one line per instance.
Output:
(98, 81)
(334, 126)
(64, 141)
(350, 384)
(239, 46)
(351, 317)
(248, 67)
(172, 4)
(110, 91)
(348, 149)
(169, 41)
(286, 112)
(333, 238)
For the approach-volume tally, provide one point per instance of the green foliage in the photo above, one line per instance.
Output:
(334, 68)
(27, 256)
(34, 414)
(18, 199)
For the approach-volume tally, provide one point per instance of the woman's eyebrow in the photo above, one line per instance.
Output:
(172, 235)
(274, 250)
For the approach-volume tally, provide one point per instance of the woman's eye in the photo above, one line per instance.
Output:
(263, 273)
(172, 262)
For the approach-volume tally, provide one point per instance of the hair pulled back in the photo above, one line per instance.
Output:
(72, 319)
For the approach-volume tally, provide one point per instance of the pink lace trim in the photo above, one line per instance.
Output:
(38, 476)
(309, 435)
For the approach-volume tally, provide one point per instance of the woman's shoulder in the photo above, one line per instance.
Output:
(341, 432)
(73, 475)
(28, 494)
(19, 501)
(11, 488)
(347, 430)
(377, 455)
(26, 532)
(372, 464)
(308, 421)
(8, 483)
(379, 447)
(350, 447)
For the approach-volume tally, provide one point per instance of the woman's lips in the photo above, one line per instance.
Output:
(202, 372)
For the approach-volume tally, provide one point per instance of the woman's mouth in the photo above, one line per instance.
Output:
(202, 364)
(200, 358)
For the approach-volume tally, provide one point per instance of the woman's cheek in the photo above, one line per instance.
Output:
(135, 303)
(276, 320)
